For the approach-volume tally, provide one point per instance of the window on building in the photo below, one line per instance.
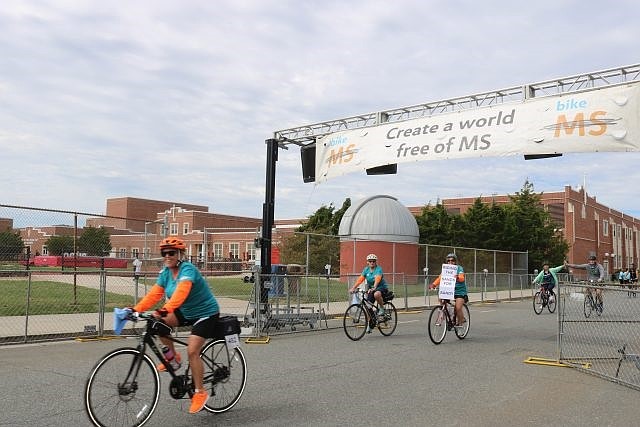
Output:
(217, 251)
(173, 229)
(605, 227)
(185, 228)
(45, 250)
(122, 253)
(135, 252)
(251, 251)
(234, 250)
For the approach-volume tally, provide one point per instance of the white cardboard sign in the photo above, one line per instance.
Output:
(447, 281)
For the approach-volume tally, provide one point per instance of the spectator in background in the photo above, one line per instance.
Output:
(137, 268)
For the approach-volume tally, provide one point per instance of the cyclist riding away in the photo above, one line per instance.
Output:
(460, 292)
(376, 285)
(548, 278)
(595, 273)
(189, 301)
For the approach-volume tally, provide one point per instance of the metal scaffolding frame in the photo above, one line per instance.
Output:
(307, 134)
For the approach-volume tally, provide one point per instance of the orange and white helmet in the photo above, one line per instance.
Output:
(172, 243)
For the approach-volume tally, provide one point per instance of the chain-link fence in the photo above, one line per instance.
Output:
(599, 331)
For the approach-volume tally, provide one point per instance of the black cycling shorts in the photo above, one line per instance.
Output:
(203, 327)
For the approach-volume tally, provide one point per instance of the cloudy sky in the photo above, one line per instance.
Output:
(173, 100)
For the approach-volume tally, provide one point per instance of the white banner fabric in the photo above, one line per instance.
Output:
(604, 119)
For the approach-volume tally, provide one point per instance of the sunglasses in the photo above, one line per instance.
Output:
(170, 253)
(371, 260)
(451, 260)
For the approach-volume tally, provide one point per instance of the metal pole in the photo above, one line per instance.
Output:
(267, 215)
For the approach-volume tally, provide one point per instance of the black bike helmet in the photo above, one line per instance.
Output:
(592, 258)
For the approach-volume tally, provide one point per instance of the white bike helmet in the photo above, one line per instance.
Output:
(372, 257)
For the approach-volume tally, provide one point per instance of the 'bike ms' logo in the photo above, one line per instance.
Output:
(340, 151)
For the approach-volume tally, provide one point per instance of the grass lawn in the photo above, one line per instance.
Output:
(49, 297)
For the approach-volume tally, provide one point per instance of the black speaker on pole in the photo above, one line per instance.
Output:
(383, 170)
(308, 155)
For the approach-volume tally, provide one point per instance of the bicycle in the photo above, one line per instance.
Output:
(123, 388)
(592, 302)
(443, 319)
(544, 298)
(362, 317)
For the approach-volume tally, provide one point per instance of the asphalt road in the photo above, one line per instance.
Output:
(323, 379)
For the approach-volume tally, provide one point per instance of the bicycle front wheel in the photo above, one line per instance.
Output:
(463, 330)
(552, 302)
(355, 322)
(122, 389)
(389, 320)
(225, 375)
(537, 302)
(588, 305)
(437, 325)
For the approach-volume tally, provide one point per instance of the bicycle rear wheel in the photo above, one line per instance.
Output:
(437, 325)
(225, 375)
(389, 320)
(537, 302)
(461, 332)
(122, 389)
(355, 322)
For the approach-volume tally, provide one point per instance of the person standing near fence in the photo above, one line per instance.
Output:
(137, 268)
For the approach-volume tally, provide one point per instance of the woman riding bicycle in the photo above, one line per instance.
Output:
(460, 292)
(548, 278)
(189, 302)
(376, 285)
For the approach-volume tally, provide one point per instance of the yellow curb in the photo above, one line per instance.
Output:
(96, 338)
(257, 340)
(551, 362)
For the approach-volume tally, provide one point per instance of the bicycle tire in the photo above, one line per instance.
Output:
(355, 321)
(106, 401)
(537, 303)
(225, 375)
(588, 305)
(437, 325)
(599, 307)
(461, 333)
(388, 325)
(552, 303)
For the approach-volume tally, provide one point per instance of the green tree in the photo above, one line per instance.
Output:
(320, 228)
(478, 224)
(11, 245)
(58, 245)
(435, 225)
(529, 227)
(94, 241)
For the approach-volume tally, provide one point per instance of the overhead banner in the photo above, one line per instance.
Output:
(603, 119)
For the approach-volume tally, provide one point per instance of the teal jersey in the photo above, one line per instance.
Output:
(370, 276)
(200, 302)
(461, 287)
